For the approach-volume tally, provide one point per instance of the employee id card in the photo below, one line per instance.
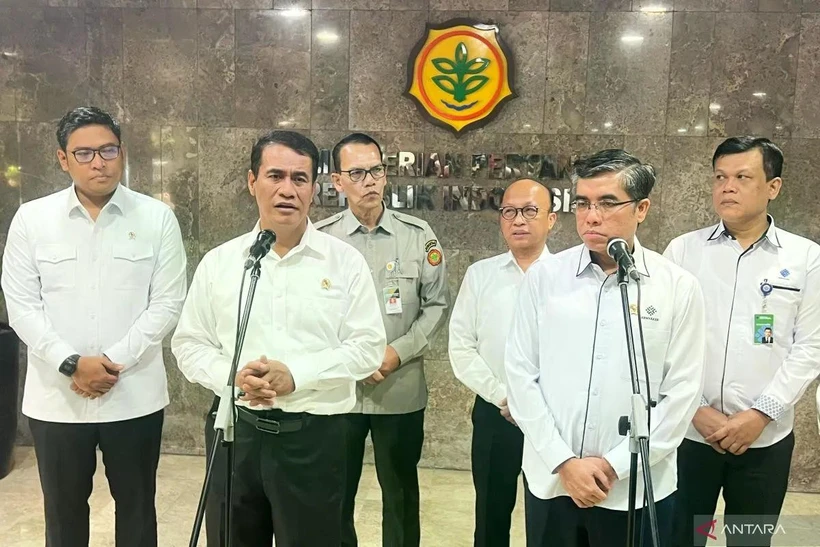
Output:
(392, 300)
(764, 328)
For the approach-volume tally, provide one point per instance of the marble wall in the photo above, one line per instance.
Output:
(194, 81)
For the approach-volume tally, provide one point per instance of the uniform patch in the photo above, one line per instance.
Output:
(429, 245)
(434, 257)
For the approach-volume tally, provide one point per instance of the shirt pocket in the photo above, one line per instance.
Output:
(132, 266)
(656, 344)
(408, 279)
(57, 265)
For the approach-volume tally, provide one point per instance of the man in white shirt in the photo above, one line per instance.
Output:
(568, 371)
(762, 288)
(479, 326)
(94, 278)
(314, 331)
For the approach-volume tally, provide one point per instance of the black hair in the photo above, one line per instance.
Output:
(637, 178)
(772, 156)
(353, 138)
(81, 117)
(290, 139)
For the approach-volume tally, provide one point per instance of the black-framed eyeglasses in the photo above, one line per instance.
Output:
(604, 207)
(529, 212)
(358, 175)
(86, 155)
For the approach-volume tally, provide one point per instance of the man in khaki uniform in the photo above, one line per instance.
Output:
(408, 269)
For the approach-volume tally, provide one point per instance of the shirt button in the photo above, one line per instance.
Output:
(599, 356)
(591, 426)
(602, 323)
(595, 391)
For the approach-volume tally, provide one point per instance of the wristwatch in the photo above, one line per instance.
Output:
(69, 366)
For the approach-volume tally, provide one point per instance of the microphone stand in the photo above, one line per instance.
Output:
(637, 426)
(225, 420)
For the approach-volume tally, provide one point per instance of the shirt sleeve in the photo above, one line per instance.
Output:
(468, 366)
(682, 384)
(435, 296)
(166, 296)
(802, 364)
(195, 344)
(21, 288)
(522, 362)
(362, 336)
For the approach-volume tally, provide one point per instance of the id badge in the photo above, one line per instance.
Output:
(764, 328)
(392, 300)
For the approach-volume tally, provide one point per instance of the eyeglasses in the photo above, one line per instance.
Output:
(604, 207)
(86, 155)
(529, 212)
(358, 175)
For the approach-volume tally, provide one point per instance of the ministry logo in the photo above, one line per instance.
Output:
(460, 74)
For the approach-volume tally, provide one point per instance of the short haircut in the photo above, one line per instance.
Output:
(81, 117)
(353, 138)
(546, 186)
(772, 156)
(637, 178)
(290, 139)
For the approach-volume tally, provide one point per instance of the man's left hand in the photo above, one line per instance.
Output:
(390, 362)
(740, 431)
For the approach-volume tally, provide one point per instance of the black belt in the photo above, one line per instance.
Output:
(267, 425)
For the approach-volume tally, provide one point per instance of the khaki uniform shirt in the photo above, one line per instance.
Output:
(409, 272)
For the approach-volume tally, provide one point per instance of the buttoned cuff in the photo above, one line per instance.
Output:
(557, 454)
(770, 407)
(404, 348)
(620, 459)
(305, 373)
(118, 355)
(58, 352)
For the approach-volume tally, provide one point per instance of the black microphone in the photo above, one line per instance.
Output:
(618, 250)
(260, 248)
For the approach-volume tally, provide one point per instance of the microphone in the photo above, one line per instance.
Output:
(618, 250)
(260, 248)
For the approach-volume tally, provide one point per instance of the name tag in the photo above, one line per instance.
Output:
(392, 300)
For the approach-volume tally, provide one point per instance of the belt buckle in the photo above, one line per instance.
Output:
(268, 426)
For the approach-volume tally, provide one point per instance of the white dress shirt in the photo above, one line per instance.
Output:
(568, 369)
(739, 373)
(315, 310)
(76, 286)
(480, 323)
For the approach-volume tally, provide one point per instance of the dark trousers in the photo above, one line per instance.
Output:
(67, 460)
(558, 522)
(215, 506)
(753, 483)
(397, 441)
(288, 484)
(498, 447)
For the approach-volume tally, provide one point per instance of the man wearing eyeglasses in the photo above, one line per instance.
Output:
(94, 278)
(408, 269)
(479, 327)
(568, 373)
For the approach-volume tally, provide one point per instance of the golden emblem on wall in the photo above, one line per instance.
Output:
(460, 74)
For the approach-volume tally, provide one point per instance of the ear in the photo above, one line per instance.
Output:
(251, 183)
(551, 218)
(643, 209)
(336, 178)
(62, 157)
(773, 187)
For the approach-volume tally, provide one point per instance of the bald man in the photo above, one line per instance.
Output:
(478, 331)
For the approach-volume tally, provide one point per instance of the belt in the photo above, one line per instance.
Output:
(267, 425)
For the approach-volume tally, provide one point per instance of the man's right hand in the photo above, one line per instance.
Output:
(581, 478)
(707, 420)
(95, 376)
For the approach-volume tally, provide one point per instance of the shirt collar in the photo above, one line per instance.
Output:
(350, 224)
(311, 241)
(510, 259)
(117, 202)
(771, 232)
(638, 253)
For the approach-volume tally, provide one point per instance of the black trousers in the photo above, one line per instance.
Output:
(558, 522)
(753, 483)
(397, 441)
(498, 447)
(67, 460)
(289, 484)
